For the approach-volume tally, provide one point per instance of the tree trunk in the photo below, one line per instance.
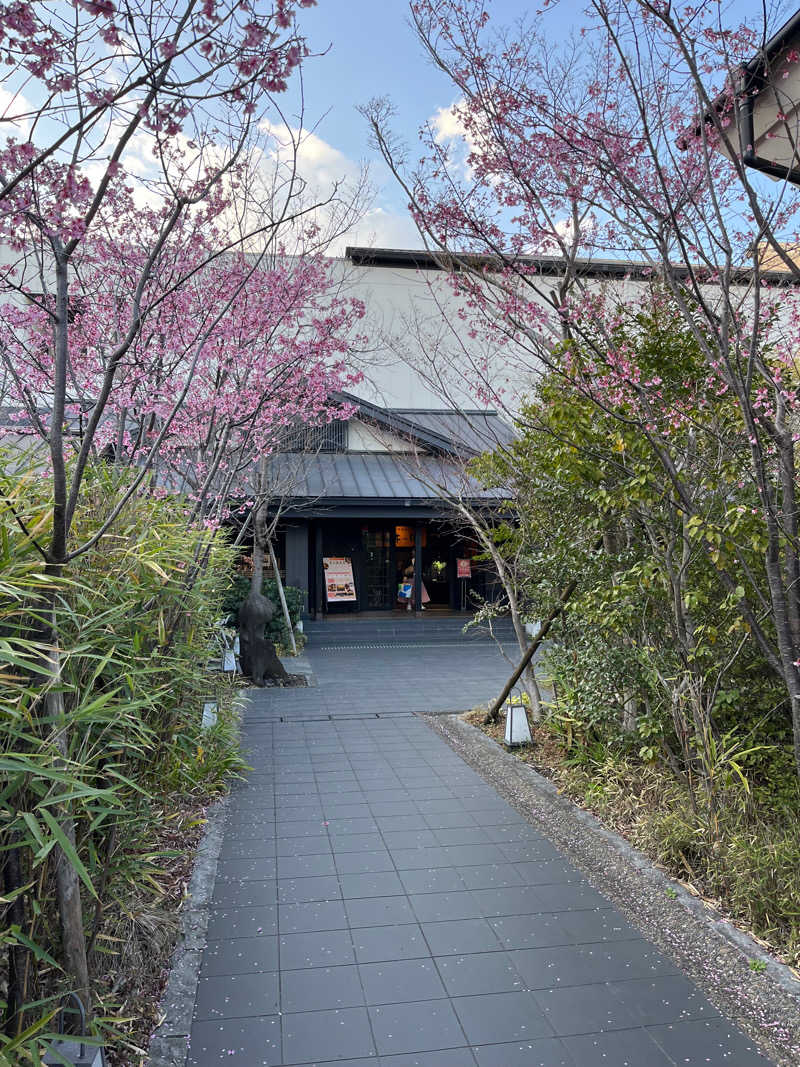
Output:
(68, 886)
(54, 718)
(284, 606)
(494, 710)
(258, 656)
(630, 713)
(529, 682)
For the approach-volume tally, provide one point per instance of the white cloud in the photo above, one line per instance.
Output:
(319, 163)
(450, 132)
(322, 167)
(381, 229)
(447, 125)
(14, 109)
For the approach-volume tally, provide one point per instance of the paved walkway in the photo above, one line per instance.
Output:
(377, 902)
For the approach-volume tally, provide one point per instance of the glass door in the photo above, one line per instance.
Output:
(378, 577)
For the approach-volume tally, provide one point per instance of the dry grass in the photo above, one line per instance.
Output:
(139, 931)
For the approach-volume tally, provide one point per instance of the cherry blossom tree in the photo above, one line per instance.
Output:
(622, 145)
(144, 312)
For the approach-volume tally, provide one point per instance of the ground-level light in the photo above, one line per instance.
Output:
(210, 709)
(74, 1051)
(518, 732)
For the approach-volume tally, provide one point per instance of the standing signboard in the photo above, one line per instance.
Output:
(340, 585)
(464, 574)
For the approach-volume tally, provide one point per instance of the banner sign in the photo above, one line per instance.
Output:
(464, 568)
(339, 582)
(405, 536)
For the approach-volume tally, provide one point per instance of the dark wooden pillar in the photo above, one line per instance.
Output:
(418, 569)
(297, 570)
(319, 573)
(453, 590)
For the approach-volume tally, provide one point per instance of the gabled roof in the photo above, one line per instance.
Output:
(779, 41)
(754, 76)
(446, 431)
(424, 476)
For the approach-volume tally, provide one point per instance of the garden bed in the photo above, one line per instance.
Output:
(131, 988)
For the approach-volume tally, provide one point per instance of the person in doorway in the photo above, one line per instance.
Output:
(408, 575)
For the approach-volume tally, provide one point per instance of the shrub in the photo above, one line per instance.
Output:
(275, 630)
(750, 864)
(135, 619)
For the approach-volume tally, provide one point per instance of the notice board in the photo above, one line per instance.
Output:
(339, 582)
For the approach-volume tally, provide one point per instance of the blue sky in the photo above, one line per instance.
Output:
(372, 51)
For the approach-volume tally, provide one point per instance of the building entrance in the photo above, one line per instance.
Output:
(380, 552)
(438, 561)
(378, 570)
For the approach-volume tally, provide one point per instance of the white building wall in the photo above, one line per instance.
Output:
(418, 353)
(364, 438)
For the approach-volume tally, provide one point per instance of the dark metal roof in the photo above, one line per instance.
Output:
(472, 431)
(374, 477)
(544, 265)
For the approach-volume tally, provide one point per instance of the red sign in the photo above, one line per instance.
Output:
(464, 568)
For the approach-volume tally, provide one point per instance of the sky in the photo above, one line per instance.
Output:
(363, 49)
(371, 51)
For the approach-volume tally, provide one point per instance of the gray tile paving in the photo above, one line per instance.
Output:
(377, 903)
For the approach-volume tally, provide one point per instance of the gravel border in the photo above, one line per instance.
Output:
(708, 949)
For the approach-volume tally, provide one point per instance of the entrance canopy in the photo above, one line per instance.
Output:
(374, 479)
(370, 503)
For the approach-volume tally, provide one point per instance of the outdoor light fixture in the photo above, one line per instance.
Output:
(210, 709)
(227, 644)
(74, 1052)
(518, 732)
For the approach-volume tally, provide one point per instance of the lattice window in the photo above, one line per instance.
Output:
(329, 437)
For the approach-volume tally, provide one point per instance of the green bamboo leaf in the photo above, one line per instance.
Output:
(23, 765)
(69, 851)
(37, 950)
(34, 827)
(34, 1029)
(9, 898)
(82, 792)
(128, 781)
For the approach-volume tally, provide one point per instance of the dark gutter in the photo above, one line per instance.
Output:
(754, 76)
(747, 139)
(548, 266)
(396, 510)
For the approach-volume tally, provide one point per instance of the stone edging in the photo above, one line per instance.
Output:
(169, 1044)
(710, 950)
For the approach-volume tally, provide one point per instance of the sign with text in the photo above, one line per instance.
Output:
(339, 582)
(464, 568)
(404, 537)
